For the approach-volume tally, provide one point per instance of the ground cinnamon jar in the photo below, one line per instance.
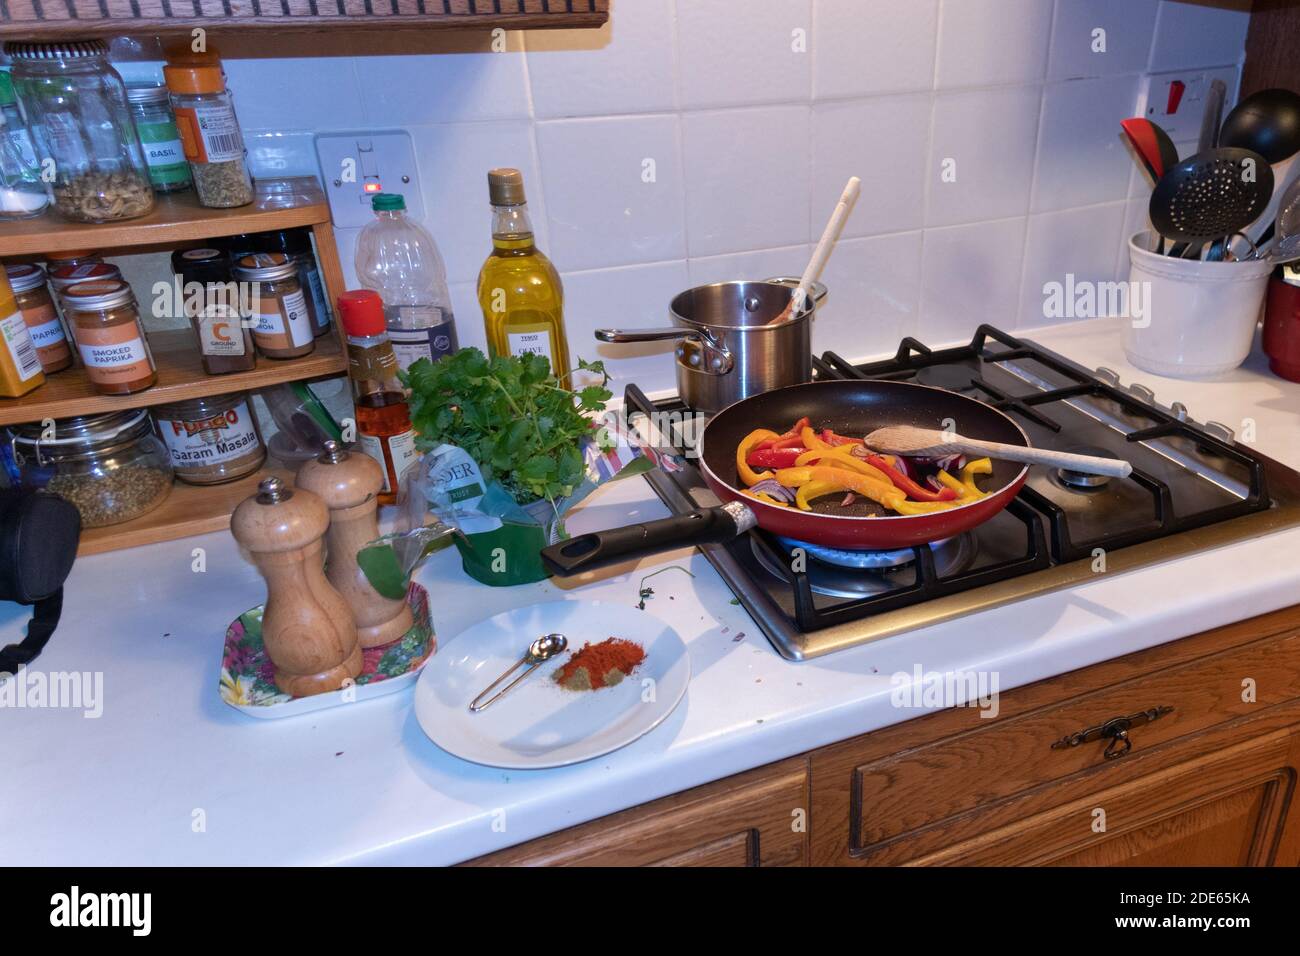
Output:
(212, 306)
(106, 323)
(283, 326)
(43, 323)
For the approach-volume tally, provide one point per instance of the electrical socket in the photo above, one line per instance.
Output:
(1184, 125)
(356, 165)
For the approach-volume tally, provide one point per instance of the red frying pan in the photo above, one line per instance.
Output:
(849, 408)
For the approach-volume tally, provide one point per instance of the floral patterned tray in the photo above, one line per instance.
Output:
(246, 675)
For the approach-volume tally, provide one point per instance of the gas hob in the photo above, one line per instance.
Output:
(1194, 487)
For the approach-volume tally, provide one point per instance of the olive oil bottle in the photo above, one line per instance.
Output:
(518, 288)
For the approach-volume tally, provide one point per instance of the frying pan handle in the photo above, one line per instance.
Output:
(600, 548)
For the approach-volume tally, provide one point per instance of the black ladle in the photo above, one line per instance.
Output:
(1267, 122)
(1211, 195)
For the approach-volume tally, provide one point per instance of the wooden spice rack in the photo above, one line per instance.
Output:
(175, 221)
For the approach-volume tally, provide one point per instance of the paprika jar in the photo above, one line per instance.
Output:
(211, 440)
(283, 326)
(63, 277)
(106, 323)
(43, 323)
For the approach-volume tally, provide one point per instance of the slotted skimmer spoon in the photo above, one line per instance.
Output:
(1211, 195)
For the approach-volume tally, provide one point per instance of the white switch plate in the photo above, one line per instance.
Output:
(348, 161)
(1185, 125)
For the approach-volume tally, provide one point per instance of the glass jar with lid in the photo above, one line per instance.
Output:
(282, 325)
(151, 108)
(213, 439)
(209, 130)
(106, 323)
(43, 322)
(78, 102)
(211, 303)
(111, 466)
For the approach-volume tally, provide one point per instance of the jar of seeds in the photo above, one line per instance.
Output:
(209, 131)
(111, 466)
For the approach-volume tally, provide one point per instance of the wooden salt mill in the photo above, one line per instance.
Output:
(307, 628)
(350, 485)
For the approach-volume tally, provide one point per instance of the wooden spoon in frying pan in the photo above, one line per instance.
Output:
(931, 443)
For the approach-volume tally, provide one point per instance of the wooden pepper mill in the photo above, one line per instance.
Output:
(306, 627)
(350, 485)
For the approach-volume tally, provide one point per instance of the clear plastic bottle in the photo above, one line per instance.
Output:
(397, 258)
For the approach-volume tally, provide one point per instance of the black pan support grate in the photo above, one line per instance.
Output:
(1030, 508)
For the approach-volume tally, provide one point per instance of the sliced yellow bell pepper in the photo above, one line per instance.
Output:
(747, 474)
(811, 440)
(840, 479)
(811, 490)
(765, 498)
(980, 466)
(841, 457)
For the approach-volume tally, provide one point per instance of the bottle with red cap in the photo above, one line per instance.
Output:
(384, 429)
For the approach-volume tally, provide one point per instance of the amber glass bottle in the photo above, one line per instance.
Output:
(384, 429)
(518, 288)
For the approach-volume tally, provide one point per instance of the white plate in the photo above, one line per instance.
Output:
(539, 723)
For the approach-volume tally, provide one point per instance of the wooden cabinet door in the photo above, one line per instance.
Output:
(1223, 808)
(757, 818)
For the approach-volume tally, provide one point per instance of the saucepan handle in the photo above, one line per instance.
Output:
(587, 552)
(643, 335)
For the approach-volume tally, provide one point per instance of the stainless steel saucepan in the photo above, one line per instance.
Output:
(726, 349)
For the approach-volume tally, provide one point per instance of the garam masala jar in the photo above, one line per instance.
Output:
(110, 336)
(283, 326)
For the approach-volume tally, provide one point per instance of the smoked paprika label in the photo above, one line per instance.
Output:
(114, 354)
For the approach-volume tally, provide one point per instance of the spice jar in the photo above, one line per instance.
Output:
(111, 465)
(79, 103)
(296, 244)
(211, 440)
(73, 257)
(151, 108)
(205, 118)
(283, 326)
(212, 306)
(43, 322)
(20, 369)
(65, 277)
(110, 336)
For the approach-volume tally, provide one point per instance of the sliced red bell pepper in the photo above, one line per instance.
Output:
(830, 438)
(907, 485)
(773, 457)
(799, 426)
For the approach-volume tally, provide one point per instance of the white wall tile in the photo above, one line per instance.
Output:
(969, 275)
(737, 52)
(306, 93)
(633, 297)
(989, 137)
(747, 179)
(454, 160)
(874, 291)
(873, 46)
(475, 84)
(1077, 242)
(986, 42)
(1124, 47)
(757, 264)
(1081, 159)
(601, 209)
(470, 330)
(848, 141)
(624, 67)
(1189, 34)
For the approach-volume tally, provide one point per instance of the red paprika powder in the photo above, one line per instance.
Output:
(600, 665)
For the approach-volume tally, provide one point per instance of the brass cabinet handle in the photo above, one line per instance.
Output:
(1114, 731)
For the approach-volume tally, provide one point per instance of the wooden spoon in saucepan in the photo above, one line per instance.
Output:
(932, 443)
(834, 226)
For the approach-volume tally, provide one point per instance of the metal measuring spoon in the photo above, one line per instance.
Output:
(540, 651)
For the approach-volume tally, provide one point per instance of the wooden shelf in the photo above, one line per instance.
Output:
(189, 509)
(175, 220)
(180, 377)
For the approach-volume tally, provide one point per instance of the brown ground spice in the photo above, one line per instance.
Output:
(600, 665)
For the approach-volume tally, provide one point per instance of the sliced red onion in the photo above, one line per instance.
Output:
(848, 500)
(773, 489)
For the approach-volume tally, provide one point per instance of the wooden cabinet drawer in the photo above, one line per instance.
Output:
(984, 761)
(758, 818)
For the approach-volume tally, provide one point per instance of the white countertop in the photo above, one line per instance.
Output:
(362, 783)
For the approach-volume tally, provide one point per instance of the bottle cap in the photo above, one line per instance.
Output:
(506, 187)
(193, 79)
(362, 313)
(382, 202)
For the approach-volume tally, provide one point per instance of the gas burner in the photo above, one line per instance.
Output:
(1077, 479)
(953, 378)
(842, 573)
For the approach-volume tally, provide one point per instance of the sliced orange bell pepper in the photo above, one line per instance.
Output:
(841, 456)
(747, 474)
